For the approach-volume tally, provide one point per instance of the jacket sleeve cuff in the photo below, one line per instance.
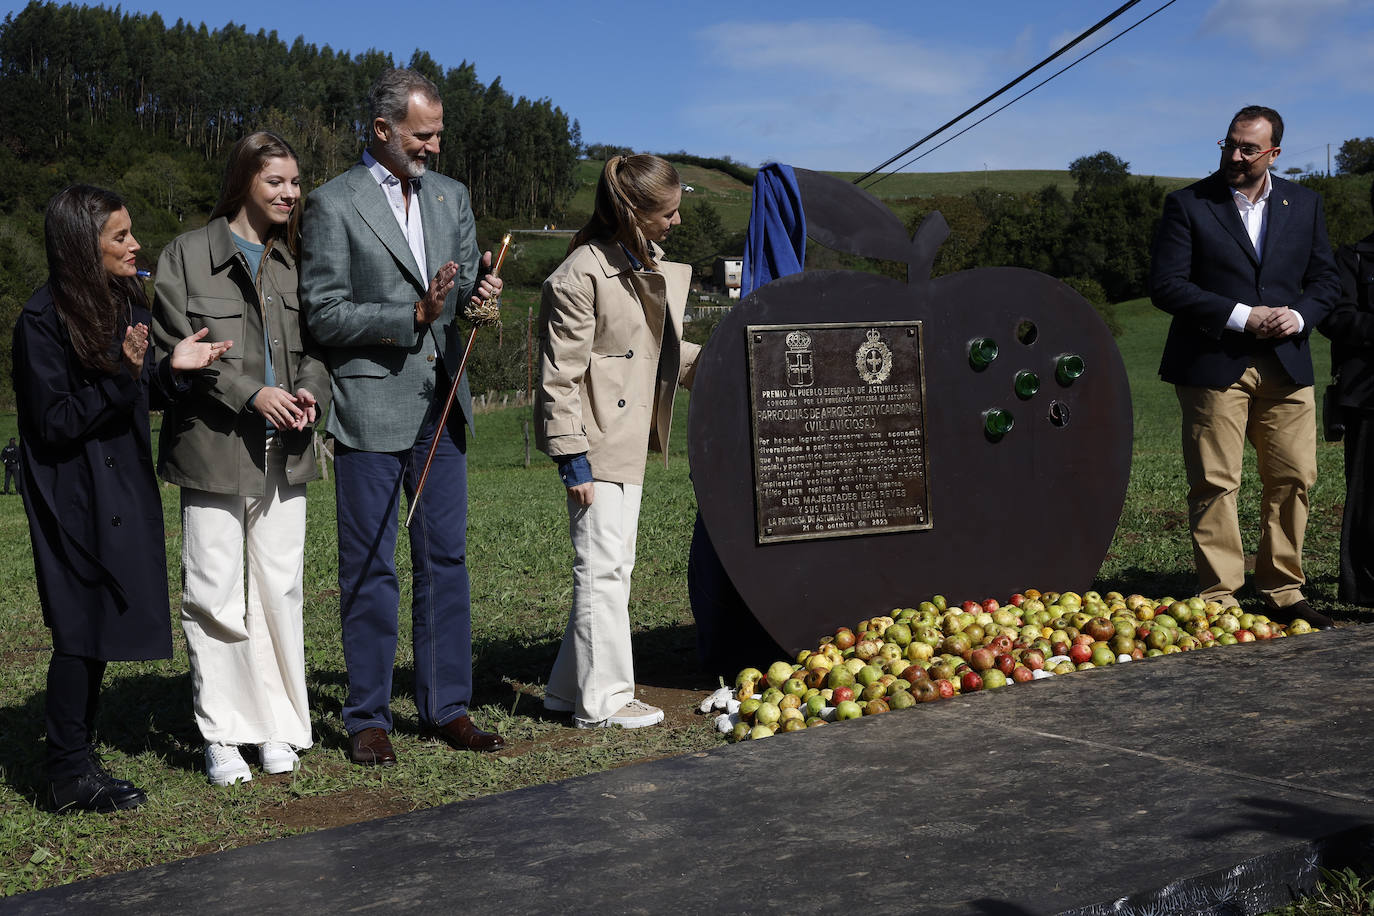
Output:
(574, 469)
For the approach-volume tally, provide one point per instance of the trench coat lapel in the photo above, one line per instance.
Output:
(370, 202)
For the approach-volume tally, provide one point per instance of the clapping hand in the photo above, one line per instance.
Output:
(192, 353)
(134, 348)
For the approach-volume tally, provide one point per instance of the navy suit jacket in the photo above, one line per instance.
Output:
(1203, 263)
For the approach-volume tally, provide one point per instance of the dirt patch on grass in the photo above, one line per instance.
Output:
(347, 806)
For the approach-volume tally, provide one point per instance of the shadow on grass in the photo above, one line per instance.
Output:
(137, 713)
(664, 656)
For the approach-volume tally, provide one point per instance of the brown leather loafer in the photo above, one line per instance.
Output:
(1301, 609)
(462, 734)
(371, 747)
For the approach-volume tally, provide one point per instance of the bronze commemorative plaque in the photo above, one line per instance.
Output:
(838, 414)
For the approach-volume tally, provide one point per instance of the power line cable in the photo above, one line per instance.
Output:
(1064, 50)
(1018, 98)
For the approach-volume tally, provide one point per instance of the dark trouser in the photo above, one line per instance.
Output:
(73, 694)
(1357, 524)
(9, 477)
(369, 486)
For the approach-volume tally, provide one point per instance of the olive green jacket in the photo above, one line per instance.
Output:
(212, 439)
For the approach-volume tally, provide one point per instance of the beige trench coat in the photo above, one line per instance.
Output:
(602, 336)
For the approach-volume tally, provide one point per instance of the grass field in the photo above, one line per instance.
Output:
(519, 557)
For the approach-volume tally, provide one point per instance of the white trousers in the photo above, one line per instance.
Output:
(247, 657)
(595, 666)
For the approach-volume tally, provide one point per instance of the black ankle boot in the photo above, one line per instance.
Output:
(99, 767)
(94, 792)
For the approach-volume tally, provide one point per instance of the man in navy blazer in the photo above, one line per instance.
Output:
(389, 250)
(1242, 262)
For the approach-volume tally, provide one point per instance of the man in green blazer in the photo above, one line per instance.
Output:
(389, 251)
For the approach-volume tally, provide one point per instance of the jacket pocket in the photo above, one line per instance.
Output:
(223, 318)
(361, 366)
(294, 321)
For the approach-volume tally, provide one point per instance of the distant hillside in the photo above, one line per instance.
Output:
(730, 197)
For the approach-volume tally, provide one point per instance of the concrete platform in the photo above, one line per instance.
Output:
(1206, 782)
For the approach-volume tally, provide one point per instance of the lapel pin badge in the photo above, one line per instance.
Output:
(441, 199)
(1285, 203)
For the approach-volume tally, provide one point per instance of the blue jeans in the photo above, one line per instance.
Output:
(369, 486)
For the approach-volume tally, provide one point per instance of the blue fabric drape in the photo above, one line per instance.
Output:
(775, 245)
(728, 635)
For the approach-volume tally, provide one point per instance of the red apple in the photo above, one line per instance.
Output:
(1004, 663)
(913, 673)
(1020, 674)
(840, 695)
(991, 604)
(1017, 599)
(1080, 653)
(1033, 659)
(945, 687)
(971, 681)
(926, 691)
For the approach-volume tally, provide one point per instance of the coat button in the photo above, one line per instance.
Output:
(430, 357)
(620, 403)
(109, 461)
(116, 521)
(630, 354)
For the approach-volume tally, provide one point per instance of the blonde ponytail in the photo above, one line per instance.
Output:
(629, 185)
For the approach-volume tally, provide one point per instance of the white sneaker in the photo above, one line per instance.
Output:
(633, 714)
(277, 757)
(225, 765)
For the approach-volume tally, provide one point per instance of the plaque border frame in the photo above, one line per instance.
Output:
(919, 326)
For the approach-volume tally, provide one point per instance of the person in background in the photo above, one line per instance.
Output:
(611, 358)
(1242, 263)
(1351, 329)
(240, 446)
(9, 456)
(84, 376)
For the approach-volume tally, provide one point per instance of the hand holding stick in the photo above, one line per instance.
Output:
(487, 311)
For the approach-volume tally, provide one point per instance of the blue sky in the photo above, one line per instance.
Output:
(844, 86)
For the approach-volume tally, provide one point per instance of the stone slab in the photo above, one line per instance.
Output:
(1206, 782)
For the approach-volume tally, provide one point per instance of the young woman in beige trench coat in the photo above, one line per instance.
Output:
(611, 358)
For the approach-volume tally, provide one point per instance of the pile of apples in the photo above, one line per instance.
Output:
(934, 651)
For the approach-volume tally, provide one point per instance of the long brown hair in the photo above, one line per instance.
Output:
(87, 297)
(246, 160)
(629, 185)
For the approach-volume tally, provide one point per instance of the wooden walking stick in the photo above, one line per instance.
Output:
(489, 312)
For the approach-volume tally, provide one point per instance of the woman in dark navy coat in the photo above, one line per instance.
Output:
(83, 378)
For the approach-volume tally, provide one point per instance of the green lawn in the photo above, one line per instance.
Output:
(519, 557)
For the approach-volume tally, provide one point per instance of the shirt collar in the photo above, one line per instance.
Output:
(381, 173)
(1243, 201)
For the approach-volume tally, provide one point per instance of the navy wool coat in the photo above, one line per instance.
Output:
(95, 516)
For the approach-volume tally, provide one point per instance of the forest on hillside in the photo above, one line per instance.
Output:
(124, 100)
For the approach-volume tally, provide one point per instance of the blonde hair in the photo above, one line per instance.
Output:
(629, 186)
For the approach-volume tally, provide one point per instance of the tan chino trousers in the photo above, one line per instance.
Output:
(1279, 419)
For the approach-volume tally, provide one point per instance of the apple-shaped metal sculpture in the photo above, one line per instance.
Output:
(859, 444)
